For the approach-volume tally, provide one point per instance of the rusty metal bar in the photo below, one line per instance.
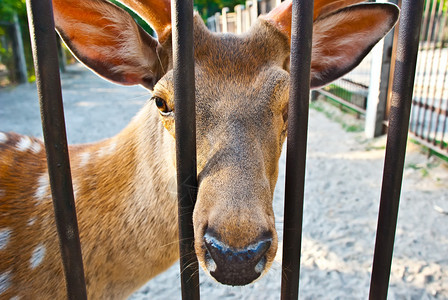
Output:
(301, 40)
(432, 77)
(444, 126)
(43, 39)
(403, 84)
(184, 102)
(420, 67)
(427, 76)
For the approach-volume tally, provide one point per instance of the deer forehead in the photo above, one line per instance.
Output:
(234, 67)
(242, 54)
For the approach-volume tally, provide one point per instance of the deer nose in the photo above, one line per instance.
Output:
(235, 266)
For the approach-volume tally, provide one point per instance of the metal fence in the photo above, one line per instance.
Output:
(351, 90)
(429, 116)
(45, 52)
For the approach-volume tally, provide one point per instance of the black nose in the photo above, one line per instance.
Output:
(235, 266)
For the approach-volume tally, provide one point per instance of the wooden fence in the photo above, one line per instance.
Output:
(241, 18)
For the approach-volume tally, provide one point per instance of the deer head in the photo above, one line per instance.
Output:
(242, 88)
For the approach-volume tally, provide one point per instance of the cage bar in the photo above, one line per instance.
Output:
(185, 118)
(43, 39)
(301, 40)
(402, 89)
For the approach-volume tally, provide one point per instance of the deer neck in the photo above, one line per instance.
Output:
(125, 189)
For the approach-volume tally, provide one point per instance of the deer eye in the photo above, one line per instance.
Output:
(162, 106)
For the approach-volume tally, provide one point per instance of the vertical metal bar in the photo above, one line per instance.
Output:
(444, 126)
(421, 68)
(301, 40)
(185, 119)
(433, 77)
(403, 84)
(437, 109)
(428, 74)
(43, 38)
(426, 77)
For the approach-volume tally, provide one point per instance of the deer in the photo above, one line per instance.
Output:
(123, 186)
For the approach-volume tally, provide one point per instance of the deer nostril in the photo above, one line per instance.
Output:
(235, 266)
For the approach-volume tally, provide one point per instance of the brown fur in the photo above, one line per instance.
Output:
(125, 186)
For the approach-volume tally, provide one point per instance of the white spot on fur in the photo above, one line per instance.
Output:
(75, 189)
(24, 144)
(108, 149)
(31, 221)
(3, 137)
(38, 256)
(84, 157)
(5, 282)
(5, 235)
(15, 298)
(43, 184)
(36, 147)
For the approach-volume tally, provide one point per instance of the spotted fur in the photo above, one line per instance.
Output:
(125, 186)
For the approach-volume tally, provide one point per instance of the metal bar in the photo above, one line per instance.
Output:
(426, 75)
(301, 40)
(184, 102)
(43, 39)
(438, 32)
(436, 109)
(442, 23)
(444, 126)
(420, 66)
(402, 89)
(361, 85)
(392, 68)
(435, 149)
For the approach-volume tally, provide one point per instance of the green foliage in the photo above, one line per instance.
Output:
(9, 7)
(209, 7)
(136, 17)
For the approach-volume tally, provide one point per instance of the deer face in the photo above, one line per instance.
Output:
(241, 102)
(242, 87)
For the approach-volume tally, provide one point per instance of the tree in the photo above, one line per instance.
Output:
(8, 9)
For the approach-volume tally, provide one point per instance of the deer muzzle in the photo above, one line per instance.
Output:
(234, 266)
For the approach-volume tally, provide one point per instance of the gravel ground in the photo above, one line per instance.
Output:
(343, 182)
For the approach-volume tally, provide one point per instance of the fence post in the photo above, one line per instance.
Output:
(403, 83)
(239, 18)
(374, 103)
(211, 23)
(225, 10)
(253, 11)
(218, 22)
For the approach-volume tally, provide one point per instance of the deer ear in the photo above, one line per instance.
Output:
(107, 40)
(343, 38)
(281, 15)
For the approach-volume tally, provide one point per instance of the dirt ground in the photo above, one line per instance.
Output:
(343, 184)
